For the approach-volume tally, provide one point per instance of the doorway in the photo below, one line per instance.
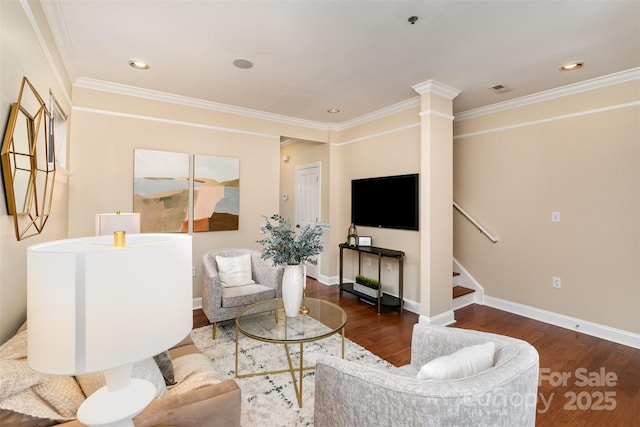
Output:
(308, 190)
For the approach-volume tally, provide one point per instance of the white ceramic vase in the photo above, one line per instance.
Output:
(292, 288)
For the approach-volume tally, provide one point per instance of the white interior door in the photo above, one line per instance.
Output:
(307, 200)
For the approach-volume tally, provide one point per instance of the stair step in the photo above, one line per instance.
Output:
(459, 291)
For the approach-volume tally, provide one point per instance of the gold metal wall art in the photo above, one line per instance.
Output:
(28, 166)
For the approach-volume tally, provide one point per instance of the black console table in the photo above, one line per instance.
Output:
(382, 298)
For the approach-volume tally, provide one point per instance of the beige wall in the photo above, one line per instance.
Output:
(578, 155)
(103, 141)
(389, 146)
(22, 55)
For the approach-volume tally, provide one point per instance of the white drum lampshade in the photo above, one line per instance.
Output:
(95, 307)
(109, 223)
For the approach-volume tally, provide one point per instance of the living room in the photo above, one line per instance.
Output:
(572, 150)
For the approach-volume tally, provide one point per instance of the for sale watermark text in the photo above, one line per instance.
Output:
(598, 400)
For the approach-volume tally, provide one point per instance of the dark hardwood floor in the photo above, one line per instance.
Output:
(584, 381)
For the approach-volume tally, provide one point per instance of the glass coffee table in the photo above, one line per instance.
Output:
(265, 321)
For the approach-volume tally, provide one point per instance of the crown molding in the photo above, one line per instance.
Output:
(171, 121)
(584, 86)
(437, 88)
(377, 134)
(378, 114)
(153, 95)
(45, 48)
(60, 31)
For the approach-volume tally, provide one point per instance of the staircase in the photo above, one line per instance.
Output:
(461, 296)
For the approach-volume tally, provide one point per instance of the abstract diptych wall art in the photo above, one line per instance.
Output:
(161, 191)
(216, 188)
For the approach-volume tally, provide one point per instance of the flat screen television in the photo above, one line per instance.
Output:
(386, 202)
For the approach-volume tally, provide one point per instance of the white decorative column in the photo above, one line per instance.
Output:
(436, 199)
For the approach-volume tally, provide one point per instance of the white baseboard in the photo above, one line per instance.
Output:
(583, 326)
(442, 319)
(409, 305)
(463, 301)
(412, 306)
(327, 280)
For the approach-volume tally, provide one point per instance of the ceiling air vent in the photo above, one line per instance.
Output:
(499, 88)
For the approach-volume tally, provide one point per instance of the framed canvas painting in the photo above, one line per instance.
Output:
(216, 193)
(161, 191)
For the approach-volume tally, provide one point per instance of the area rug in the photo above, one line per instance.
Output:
(270, 400)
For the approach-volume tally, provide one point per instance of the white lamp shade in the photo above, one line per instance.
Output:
(108, 223)
(92, 306)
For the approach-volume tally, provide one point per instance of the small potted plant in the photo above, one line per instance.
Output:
(366, 286)
(293, 248)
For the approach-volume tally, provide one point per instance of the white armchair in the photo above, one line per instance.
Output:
(221, 303)
(349, 394)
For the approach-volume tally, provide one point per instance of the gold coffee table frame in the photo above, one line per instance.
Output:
(266, 321)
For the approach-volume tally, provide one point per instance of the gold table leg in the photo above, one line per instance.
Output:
(297, 387)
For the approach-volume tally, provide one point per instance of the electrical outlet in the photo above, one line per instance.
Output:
(389, 268)
(368, 262)
(557, 283)
(193, 271)
(555, 216)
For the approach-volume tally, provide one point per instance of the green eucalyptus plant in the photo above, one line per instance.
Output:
(285, 245)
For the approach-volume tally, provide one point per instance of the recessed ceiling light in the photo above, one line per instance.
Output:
(333, 110)
(571, 66)
(138, 65)
(244, 64)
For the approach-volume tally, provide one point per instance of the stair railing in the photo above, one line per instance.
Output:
(474, 222)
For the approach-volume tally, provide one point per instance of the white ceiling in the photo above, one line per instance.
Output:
(358, 56)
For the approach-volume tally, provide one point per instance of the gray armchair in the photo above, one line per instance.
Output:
(349, 394)
(224, 303)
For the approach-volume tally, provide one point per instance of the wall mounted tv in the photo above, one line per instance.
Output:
(386, 202)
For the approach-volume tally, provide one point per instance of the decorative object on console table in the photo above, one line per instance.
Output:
(364, 240)
(352, 235)
(286, 246)
(103, 308)
(366, 286)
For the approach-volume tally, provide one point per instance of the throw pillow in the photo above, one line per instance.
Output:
(193, 371)
(463, 363)
(163, 360)
(234, 271)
